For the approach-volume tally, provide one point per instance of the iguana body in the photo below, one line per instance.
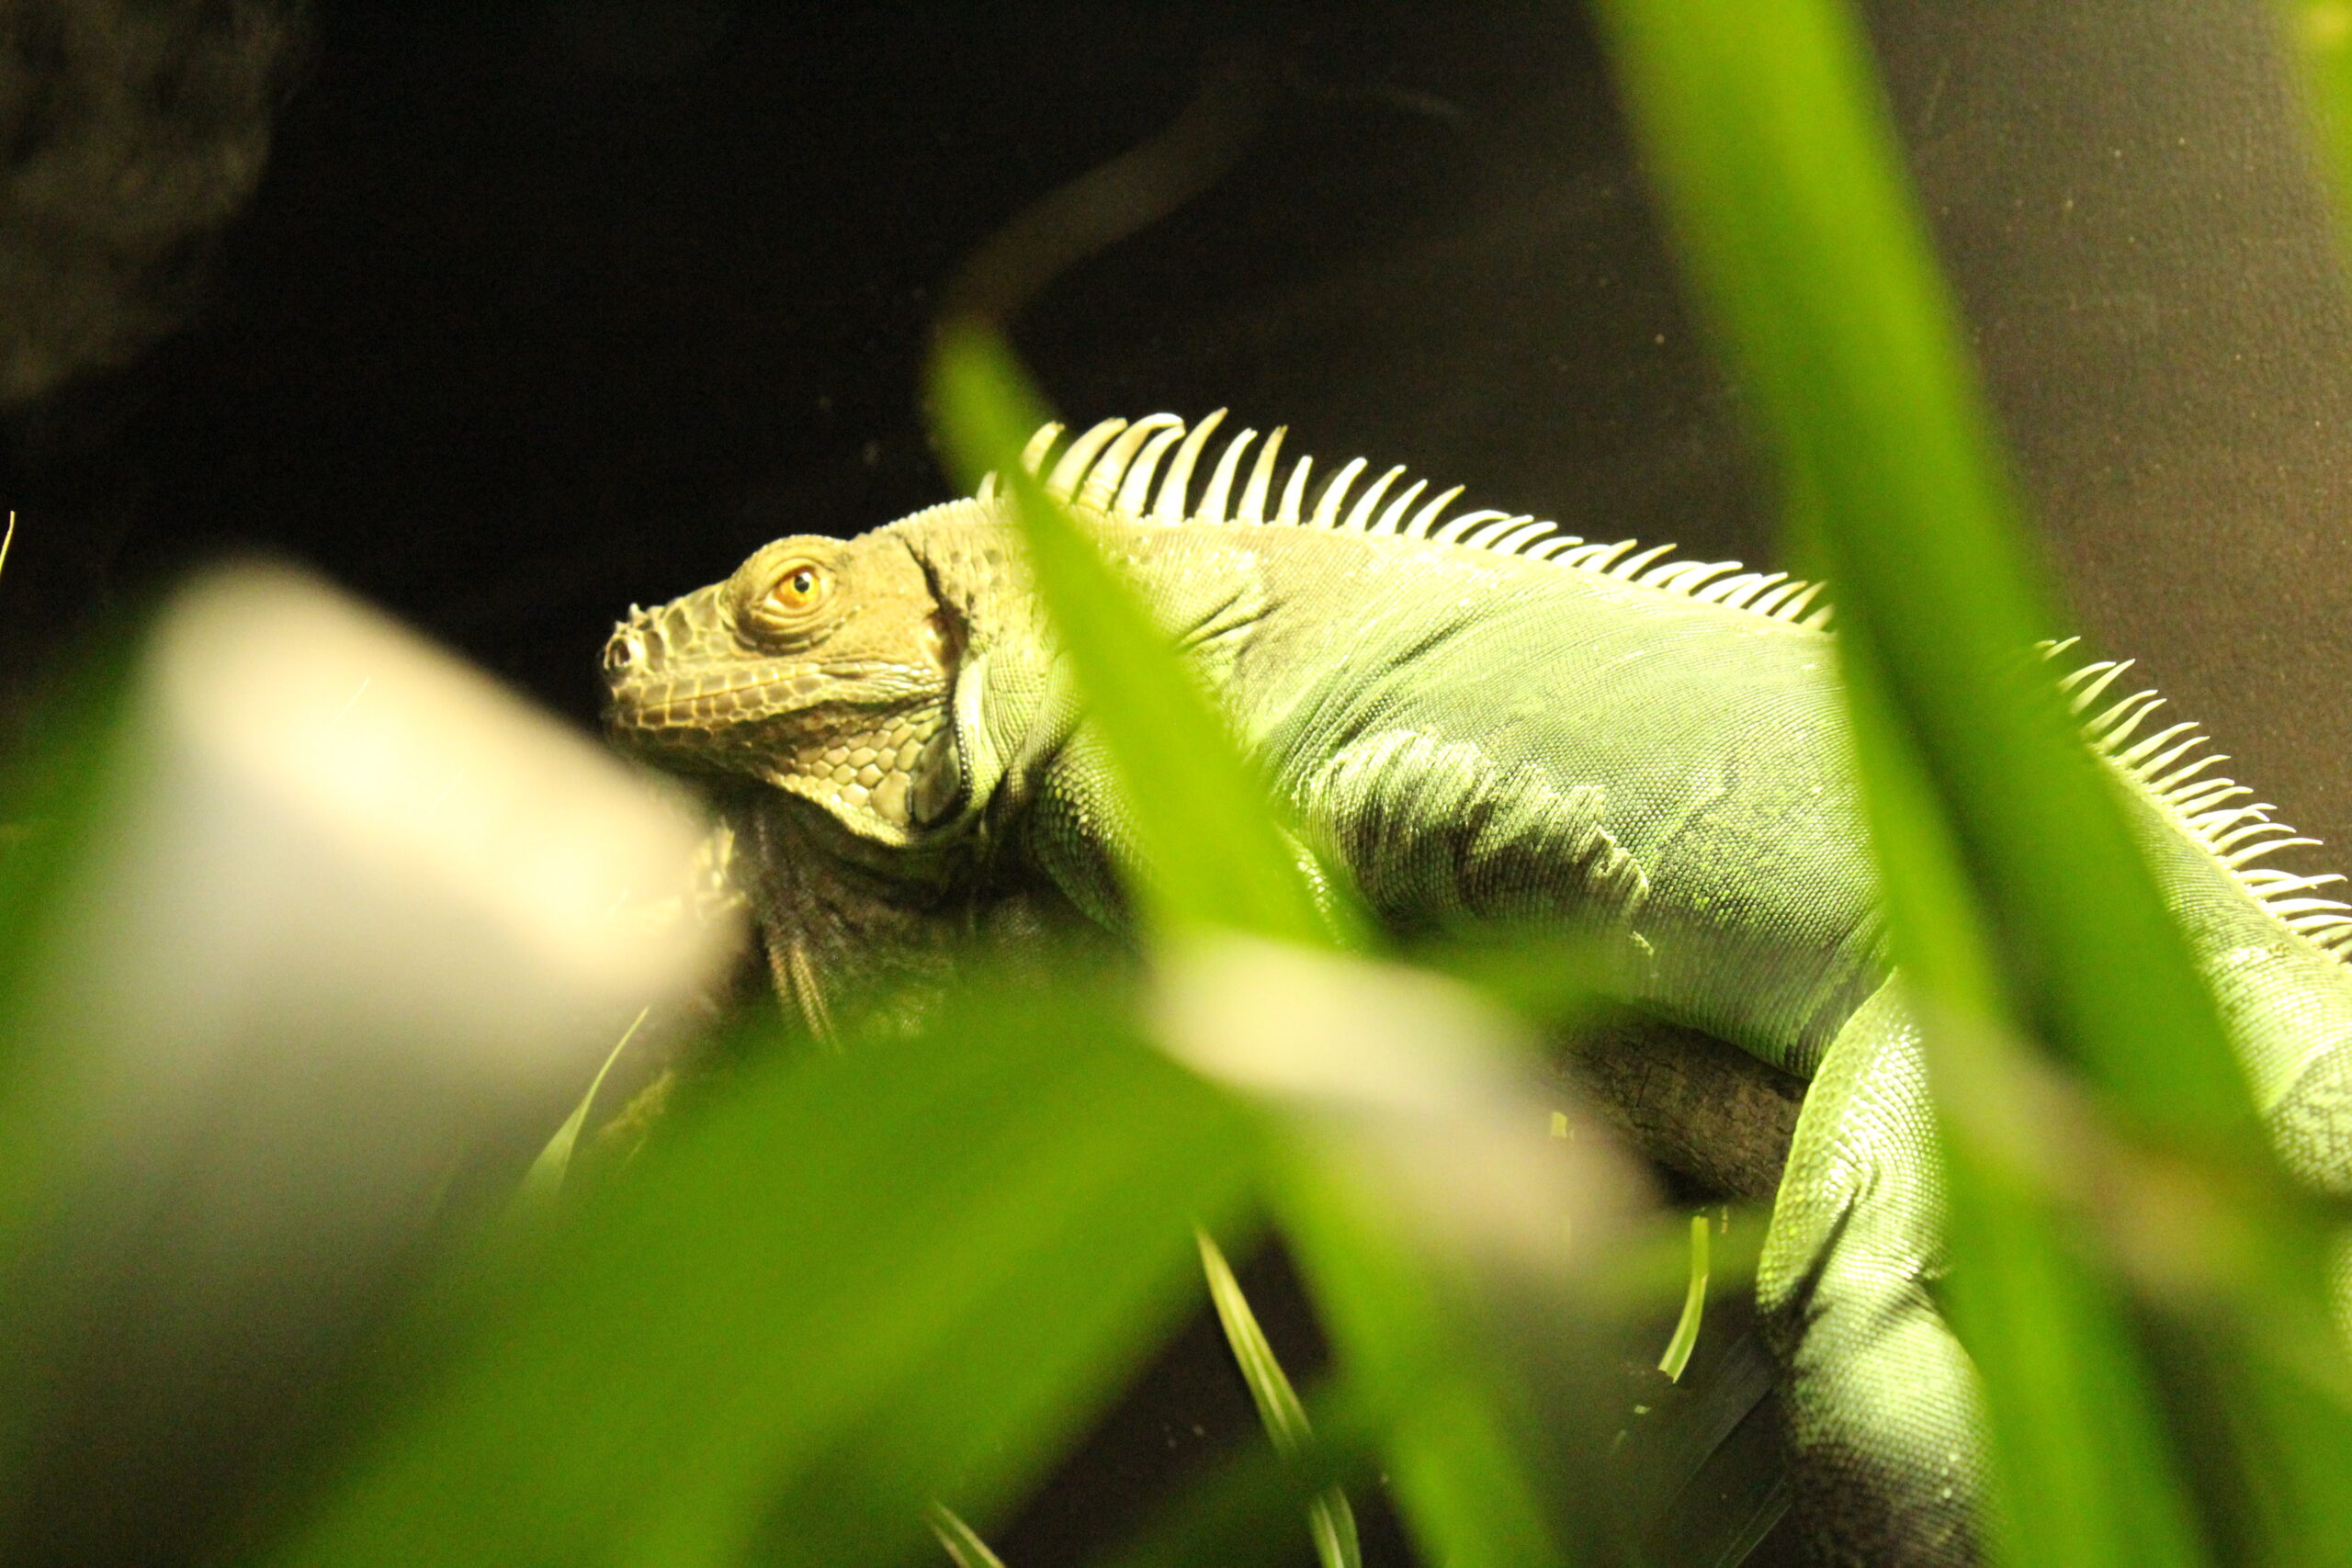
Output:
(1488, 725)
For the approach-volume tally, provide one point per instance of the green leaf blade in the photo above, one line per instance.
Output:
(731, 1344)
(1214, 853)
(2017, 888)
(1468, 1477)
(1677, 1355)
(1764, 125)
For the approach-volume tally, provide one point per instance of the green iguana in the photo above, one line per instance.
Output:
(1486, 723)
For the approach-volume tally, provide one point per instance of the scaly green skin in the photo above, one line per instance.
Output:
(1483, 738)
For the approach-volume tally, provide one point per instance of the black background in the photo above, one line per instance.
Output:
(543, 308)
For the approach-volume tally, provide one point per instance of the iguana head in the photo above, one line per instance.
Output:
(821, 667)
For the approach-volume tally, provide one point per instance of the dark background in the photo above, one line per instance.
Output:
(542, 309)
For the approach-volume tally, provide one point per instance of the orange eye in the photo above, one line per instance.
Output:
(799, 591)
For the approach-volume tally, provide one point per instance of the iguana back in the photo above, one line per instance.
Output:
(1485, 723)
(1484, 737)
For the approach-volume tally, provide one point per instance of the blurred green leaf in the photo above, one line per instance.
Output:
(2085, 1469)
(1329, 1520)
(2317, 34)
(53, 793)
(1464, 1449)
(2303, 1480)
(2299, 1511)
(856, 1284)
(1215, 854)
(1466, 1471)
(1763, 124)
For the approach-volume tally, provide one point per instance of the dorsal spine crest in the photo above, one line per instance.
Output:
(1110, 468)
(2216, 812)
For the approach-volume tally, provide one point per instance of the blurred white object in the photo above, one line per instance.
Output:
(1421, 1086)
(358, 923)
(329, 815)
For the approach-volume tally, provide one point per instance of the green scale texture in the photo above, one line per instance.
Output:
(1484, 737)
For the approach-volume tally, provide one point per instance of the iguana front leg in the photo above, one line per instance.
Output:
(1884, 1409)
(837, 937)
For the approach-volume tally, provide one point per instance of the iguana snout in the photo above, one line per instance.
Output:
(821, 667)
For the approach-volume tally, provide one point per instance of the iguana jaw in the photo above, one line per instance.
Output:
(848, 712)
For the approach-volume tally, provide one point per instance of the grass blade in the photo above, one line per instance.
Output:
(961, 1542)
(1329, 1520)
(545, 1179)
(1695, 1306)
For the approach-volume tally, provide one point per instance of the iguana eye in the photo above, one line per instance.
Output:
(800, 589)
(786, 595)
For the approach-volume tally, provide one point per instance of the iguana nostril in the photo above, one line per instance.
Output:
(623, 650)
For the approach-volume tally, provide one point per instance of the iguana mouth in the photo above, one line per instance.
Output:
(742, 706)
(850, 732)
